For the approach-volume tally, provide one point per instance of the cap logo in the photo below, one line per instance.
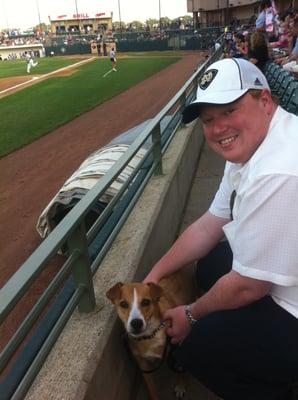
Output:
(257, 82)
(207, 78)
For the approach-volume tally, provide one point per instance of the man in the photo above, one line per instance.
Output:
(113, 59)
(30, 62)
(240, 337)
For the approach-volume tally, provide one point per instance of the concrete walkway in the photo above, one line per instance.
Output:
(205, 183)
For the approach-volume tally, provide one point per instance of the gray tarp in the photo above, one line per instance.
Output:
(87, 175)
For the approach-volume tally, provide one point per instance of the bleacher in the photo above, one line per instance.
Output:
(283, 85)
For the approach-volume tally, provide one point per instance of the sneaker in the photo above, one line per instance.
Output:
(114, 69)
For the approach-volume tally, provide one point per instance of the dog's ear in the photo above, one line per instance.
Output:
(155, 291)
(114, 292)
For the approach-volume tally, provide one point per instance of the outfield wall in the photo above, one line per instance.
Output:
(89, 360)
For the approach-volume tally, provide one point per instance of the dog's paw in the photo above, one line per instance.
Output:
(179, 390)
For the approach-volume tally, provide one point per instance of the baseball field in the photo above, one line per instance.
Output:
(59, 89)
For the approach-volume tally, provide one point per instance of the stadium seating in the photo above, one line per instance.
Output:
(272, 69)
(288, 78)
(283, 85)
(284, 76)
(292, 105)
(284, 100)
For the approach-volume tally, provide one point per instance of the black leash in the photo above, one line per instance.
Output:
(172, 362)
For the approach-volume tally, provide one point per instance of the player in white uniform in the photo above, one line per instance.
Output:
(30, 62)
(113, 59)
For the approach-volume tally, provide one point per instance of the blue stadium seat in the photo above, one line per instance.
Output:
(283, 76)
(268, 66)
(275, 74)
(288, 94)
(288, 78)
(273, 69)
(292, 105)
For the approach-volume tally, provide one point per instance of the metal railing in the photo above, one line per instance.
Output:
(85, 248)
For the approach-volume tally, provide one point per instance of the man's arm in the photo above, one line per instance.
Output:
(194, 243)
(230, 292)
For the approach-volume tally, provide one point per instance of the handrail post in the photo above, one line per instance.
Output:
(81, 269)
(183, 100)
(157, 155)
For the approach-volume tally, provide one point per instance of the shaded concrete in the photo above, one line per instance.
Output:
(204, 185)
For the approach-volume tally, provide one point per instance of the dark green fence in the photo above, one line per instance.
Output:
(62, 50)
(202, 39)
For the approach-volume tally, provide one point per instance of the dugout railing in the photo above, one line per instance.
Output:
(72, 286)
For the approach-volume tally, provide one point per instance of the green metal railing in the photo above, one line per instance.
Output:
(72, 234)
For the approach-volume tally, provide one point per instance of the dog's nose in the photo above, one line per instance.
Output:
(136, 324)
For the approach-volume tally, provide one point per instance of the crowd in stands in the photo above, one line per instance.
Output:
(7, 39)
(272, 37)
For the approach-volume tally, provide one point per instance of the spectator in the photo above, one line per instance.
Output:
(240, 337)
(258, 49)
(267, 19)
(241, 46)
(289, 63)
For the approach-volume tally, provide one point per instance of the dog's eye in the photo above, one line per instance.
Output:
(123, 304)
(145, 302)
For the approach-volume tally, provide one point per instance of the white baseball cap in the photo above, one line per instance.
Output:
(224, 82)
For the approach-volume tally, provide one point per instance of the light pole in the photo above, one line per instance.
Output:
(76, 8)
(159, 13)
(77, 15)
(37, 5)
(119, 10)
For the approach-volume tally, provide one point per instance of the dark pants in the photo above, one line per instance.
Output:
(250, 353)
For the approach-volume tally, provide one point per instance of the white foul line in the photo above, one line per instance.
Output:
(45, 75)
(107, 72)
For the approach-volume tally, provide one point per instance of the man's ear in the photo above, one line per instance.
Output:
(114, 292)
(155, 291)
(267, 101)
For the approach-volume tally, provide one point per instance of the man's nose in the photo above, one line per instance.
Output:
(219, 126)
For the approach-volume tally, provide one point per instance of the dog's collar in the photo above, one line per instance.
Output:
(146, 337)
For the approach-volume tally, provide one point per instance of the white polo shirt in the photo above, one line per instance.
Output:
(264, 232)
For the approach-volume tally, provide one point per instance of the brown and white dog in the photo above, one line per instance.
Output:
(141, 307)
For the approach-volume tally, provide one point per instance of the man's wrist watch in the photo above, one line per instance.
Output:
(189, 316)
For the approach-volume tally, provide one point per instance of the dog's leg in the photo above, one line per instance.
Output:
(180, 385)
(151, 387)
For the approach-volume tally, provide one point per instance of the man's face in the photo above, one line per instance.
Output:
(236, 130)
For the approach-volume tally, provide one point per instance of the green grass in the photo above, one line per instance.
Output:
(45, 65)
(37, 110)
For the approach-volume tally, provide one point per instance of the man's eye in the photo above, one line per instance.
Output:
(207, 121)
(230, 111)
(123, 304)
(145, 302)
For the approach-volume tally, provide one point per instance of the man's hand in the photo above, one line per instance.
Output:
(151, 278)
(179, 325)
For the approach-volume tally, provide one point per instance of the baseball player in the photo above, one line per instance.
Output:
(113, 59)
(30, 62)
